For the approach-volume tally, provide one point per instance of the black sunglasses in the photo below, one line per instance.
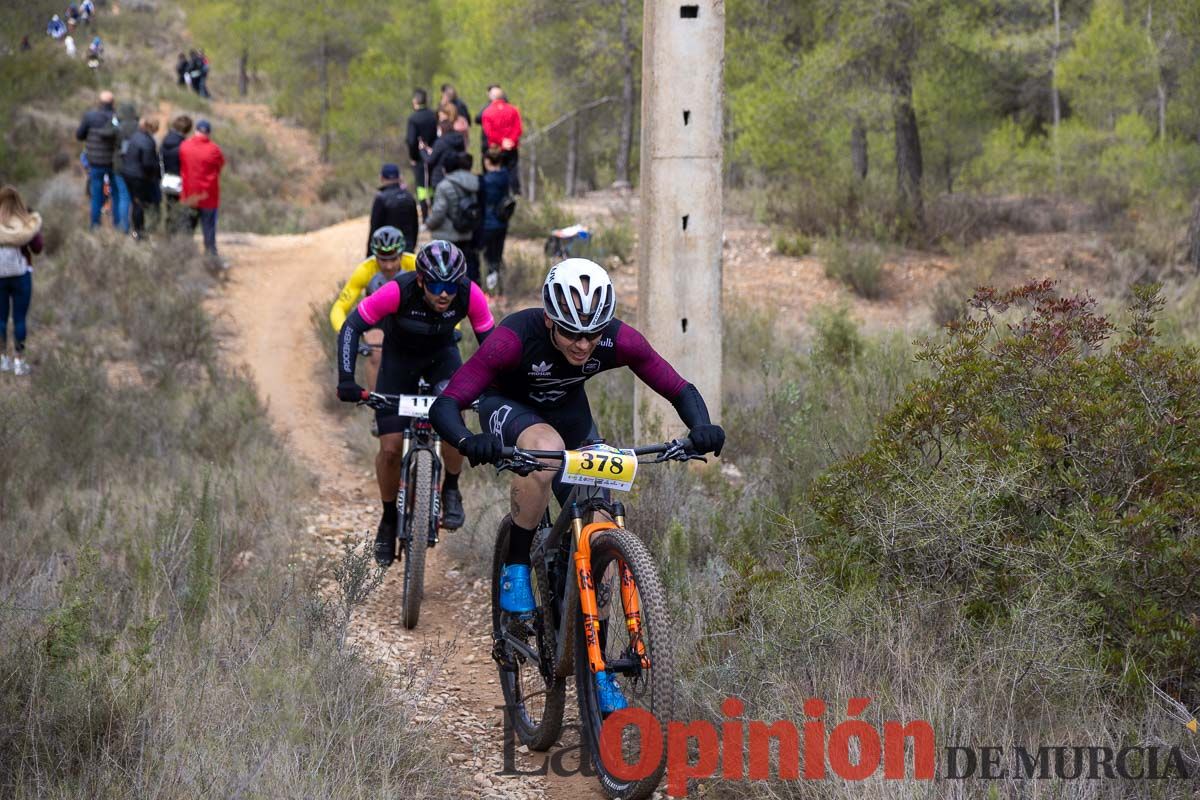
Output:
(572, 336)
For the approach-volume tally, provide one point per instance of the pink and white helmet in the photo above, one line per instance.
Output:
(569, 304)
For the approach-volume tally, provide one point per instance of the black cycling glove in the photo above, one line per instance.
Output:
(707, 439)
(350, 392)
(481, 448)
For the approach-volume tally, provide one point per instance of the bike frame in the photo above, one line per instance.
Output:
(569, 541)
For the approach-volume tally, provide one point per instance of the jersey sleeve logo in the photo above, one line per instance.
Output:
(591, 367)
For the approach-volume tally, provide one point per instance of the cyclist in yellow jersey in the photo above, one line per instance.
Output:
(389, 259)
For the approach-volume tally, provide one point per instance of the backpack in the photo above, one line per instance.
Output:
(506, 208)
(466, 212)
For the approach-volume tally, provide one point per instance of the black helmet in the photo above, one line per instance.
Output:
(387, 241)
(442, 261)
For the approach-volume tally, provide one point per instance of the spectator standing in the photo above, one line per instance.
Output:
(98, 129)
(422, 129)
(203, 90)
(483, 142)
(440, 158)
(20, 238)
(196, 72)
(393, 206)
(446, 218)
(200, 162)
(450, 95)
(181, 70)
(127, 126)
(140, 168)
(56, 29)
(87, 10)
(494, 195)
(502, 129)
(69, 43)
(178, 216)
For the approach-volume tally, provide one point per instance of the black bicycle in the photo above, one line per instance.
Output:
(419, 498)
(600, 605)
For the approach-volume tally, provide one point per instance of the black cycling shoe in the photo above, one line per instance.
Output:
(453, 515)
(385, 544)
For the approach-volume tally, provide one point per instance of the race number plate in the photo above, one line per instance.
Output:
(600, 465)
(415, 405)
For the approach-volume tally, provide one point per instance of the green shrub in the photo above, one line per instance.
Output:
(536, 220)
(614, 240)
(1035, 462)
(837, 341)
(859, 266)
(793, 245)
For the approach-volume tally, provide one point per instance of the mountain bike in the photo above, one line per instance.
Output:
(600, 605)
(419, 499)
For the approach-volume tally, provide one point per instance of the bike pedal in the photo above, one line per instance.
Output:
(433, 540)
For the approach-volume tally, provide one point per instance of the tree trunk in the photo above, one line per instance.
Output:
(625, 145)
(324, 125)
(1193, 237)
(909, 166)
(243, 75)
(572, 156)
(1055, 100)
(858, 148)
(531, 183)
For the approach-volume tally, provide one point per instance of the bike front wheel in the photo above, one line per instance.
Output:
(616, 553)
(420, 522)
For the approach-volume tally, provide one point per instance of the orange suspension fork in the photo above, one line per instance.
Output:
(633, 613)
(587, 588)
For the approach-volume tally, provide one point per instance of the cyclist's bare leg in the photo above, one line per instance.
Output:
(531, 494)
(387, 465)
(373, 337)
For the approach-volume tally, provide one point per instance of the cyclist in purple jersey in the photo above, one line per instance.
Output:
(417, 312)
(529, 377)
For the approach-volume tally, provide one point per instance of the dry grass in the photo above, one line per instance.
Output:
(162, 635)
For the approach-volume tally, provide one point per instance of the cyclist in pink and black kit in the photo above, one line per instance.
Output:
(418, 312)
(529, 379)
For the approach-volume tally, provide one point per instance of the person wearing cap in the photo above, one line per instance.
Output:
(200, 163)
(393, 206)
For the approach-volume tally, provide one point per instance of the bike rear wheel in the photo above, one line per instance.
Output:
(534, 704)
(420, 493)
(652, 688)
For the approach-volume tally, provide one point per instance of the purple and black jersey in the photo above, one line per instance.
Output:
(519, 361)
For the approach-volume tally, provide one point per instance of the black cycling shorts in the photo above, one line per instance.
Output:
(399, 372)
(508, 419)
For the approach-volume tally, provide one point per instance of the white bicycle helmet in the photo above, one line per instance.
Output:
(568, 304)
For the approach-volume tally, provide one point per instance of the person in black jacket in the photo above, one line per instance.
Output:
(181, 70)
(494, 191)
(442, 156)
(139, 167)
(177, 218)
(98, 129)
(422, 128)
(393, 206)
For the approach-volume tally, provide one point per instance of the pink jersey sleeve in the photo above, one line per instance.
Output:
(478, 311)
(633, 351)
(386, 300)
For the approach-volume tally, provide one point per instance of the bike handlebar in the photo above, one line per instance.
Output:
(524, 462)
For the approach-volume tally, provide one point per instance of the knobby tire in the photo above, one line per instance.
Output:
(655, 692)
(420, 523)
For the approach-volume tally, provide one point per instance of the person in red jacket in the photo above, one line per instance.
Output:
(502, 129)
(200, 163)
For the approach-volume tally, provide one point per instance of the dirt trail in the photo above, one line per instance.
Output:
(266, 304)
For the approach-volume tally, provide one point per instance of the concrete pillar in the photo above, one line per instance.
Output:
(679, 273)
